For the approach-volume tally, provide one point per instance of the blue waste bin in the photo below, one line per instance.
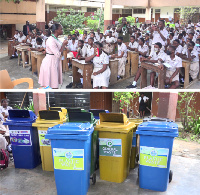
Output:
(71, 150)
(156, 143)
(97, 111)
(24, 139)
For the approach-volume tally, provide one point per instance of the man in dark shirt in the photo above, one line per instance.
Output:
(26, 28)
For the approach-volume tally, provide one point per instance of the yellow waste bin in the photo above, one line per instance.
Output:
(115, 138)
(134, 152)
(62, 109)
(46, 119)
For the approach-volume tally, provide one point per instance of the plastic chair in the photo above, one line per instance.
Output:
(6, 83)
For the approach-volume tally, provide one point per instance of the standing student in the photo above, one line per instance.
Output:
(51, 67)
(142, 104)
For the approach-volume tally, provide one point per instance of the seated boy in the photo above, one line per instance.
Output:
(133, 44)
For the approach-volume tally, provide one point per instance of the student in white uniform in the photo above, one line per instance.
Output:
(109, 46)
(178, 47)
(133, 44)
(101, 38)
(4, 108)
(101, 71)
(121, 56)
(143, 51)
(193, 56)
(173, 63)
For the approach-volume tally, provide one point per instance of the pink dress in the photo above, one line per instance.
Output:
(51, 67)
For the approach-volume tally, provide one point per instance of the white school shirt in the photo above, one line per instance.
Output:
(16, 36)
(83, 51)
(90, 51)
(122, 48)
(155, 56)
(110, 39)
(2, 109)
(135, 44)
(157, 37)
(73, 47)
(145, 98)
(179, 49)
(115, 34)
(175, 63)
(20, 39)
(101, 40)
(143, 49)
(193, 53)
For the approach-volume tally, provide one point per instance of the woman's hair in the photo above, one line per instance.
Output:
(4, 100)
(98, 43)
(55, 27)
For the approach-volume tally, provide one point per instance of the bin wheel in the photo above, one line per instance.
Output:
(93, 178)
(170, 175)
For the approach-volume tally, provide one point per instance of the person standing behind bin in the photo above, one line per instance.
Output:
(142, 104)
(51, 67)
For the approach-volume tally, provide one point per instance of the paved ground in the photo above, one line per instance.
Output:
(16, 72)
(185, 179)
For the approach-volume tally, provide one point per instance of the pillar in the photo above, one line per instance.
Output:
(47, 16)
(167, 105)
(39, 101)
(107, 14)
(148, 15)
(40, 14)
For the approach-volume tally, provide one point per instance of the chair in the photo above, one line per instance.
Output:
(6, 83)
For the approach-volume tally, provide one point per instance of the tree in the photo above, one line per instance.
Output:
(70, 19)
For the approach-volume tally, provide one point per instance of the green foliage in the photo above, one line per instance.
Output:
(70, 19)
(73, 31)
(170, 25)
(93, 21)
(130, 19)
(125, 98)
(187, 13)
(190, 116)
(30, 107)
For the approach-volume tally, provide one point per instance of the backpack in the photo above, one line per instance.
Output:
(4, 158)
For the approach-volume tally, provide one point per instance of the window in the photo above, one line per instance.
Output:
(139, 11)
(126, 11)
(89, 9)
(177, 10)
(157, 10)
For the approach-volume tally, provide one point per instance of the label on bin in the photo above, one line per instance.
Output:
(154, 157)
(68, 159)
(110, 147)
(43, 141)
(134, 141)
(20, 137)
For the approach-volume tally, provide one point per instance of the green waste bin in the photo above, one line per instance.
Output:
(85, 117)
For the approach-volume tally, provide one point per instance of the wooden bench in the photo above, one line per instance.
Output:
(36, 61)
(113, 64)
(150, 66)
(133, 60)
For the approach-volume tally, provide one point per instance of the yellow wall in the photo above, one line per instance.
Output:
(23, 7)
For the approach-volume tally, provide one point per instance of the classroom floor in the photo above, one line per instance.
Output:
(37, 182)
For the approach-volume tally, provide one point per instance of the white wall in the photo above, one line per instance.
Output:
(19, 27)
(139, 15)
(165, 12)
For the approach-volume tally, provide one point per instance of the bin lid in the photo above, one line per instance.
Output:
(158, 126)
(114, 122)
(71, 129)
(46, 117)
(81, 117)
(20, 116)
(61, 109)
(75, 110)
(97, 111)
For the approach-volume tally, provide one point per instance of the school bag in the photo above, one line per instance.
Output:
(4, 158)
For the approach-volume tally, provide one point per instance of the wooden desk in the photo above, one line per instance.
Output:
(186, 66)
(149, 66)
(87, 72)
(133, 60)
(65, 66)
(36, 60)
(113, 64)
(10, 47)
(23, 49)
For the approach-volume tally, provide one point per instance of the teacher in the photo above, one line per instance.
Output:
(51, 67)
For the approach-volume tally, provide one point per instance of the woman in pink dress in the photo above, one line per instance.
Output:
(51, 67)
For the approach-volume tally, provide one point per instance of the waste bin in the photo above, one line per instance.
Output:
(85, 117)
(97, 111)
(23, 138)
(156, 142)
(71, 148)
(115, 138)
(62, 109)
(76, 110)
(134, 150)
(46, 119)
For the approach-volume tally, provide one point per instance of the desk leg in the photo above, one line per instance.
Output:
(76, 75)
(114, 72)
(186, 80)
(87, 72)
(29, 57)
(39, 62)
(34, 64)
(161, 79)
(65, 64)
(134, 64)
(23, 58)
(18, 52)
(143, 82)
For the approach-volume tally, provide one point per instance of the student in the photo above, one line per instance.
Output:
(85, 38)
(82, 50)
(170, 39)
(172, 73)
(122, 57)
(197, 45)
(16, 35)
(92, 35)
(4, 108)
(142, 104)
(101, 71)
(110, 40)
(90, 47)
(101, 38)
(133, 44)
(97, 34)
(143, 51)
(178, 47)
(193, 56)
